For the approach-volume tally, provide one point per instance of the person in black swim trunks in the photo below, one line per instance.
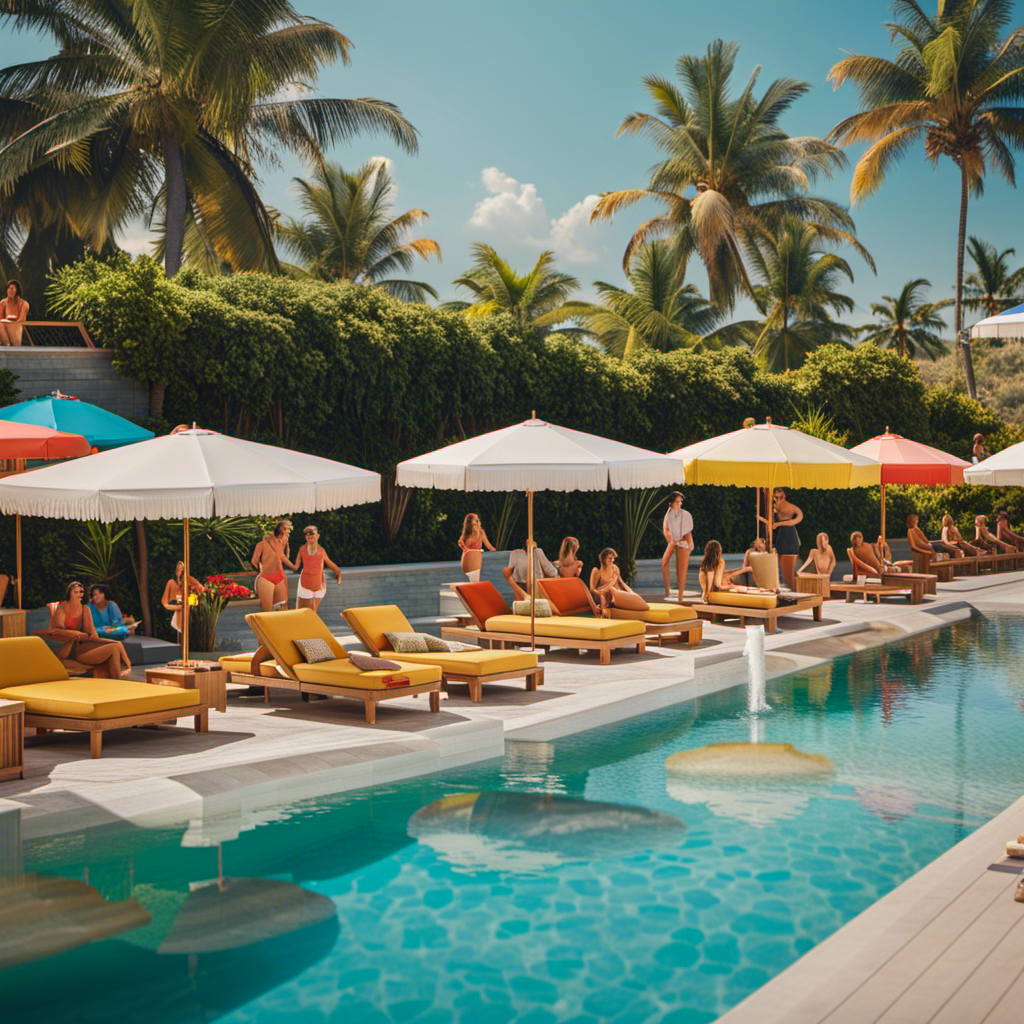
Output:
(785, 539)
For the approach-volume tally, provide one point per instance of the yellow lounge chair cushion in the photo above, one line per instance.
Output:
(472, 663)
(735, 599)
(567, 627)
(282, 629)
(27, 659)
(372, 622)
(341, 672)
(657, 614)
(243, 663)
(99, 698)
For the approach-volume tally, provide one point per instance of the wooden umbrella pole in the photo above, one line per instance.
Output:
(883, 516)
(770, 509)
(529, 568)
(17, 559)
(186, 596)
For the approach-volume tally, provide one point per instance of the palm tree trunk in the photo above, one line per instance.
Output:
(964, 349)
(142, 575)
(174, 183)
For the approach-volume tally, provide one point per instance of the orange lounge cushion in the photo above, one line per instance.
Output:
(657, 614)
(484, 600)
(99, 699)
(567, 627)
(473, 663)
(568, 595)
(242, 664)
(737, 599)
(341, 672)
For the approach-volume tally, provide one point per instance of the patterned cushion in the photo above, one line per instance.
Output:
(439, 646)
(542, 608)
(315, 650)
(407, 643)
(365, 663)
(435, 643)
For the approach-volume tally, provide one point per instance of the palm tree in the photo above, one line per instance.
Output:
(199, 89)
(658, 313)
(907, 324)
(748, 173)
(798, 294)
(537, 299)
(992, 287)
(953, 84)
(352, 235)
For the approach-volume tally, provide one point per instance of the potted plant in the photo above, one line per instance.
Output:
(206, 610)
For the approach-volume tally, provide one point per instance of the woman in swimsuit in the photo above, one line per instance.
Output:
(1004, 533)
(712, 575)
(471, 543)
(270, 557)
(786, 539)
(984, 538)
(920, 543)
(74, 621)
(757, 547)
(171, 598)
(569, 564)
(13, 313)
(822, 557)
(951, 535)
(610, 589)
(310, 560)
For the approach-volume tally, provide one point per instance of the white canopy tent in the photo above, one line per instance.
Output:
(539, 456)
(1004, 469)
(193, 473)
(1008, 324)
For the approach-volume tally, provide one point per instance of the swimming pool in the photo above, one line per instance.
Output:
(576, 882)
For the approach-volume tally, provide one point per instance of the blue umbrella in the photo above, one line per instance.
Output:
(102, 429)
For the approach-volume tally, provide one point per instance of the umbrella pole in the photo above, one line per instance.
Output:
(529, 569)
(17, 559)
(770, 510)
(186, 594)
(883, 513)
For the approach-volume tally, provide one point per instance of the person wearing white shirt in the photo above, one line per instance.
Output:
(518, 567)
(678, 530)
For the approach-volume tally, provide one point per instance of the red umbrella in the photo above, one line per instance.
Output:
(22, 441)
(910, 462)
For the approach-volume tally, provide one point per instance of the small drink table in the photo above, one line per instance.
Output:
(12, 622)
(813, 583)
(212, 685)
(12, 740)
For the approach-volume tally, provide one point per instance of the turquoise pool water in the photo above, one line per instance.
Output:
(575, 882)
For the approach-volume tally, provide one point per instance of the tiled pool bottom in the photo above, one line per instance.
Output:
(617, 892)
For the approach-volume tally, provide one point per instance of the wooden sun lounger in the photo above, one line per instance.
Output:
(473, 635)
(875, 590)
(769, 616)
(663, 632)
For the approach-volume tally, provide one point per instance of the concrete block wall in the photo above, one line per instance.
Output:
(85, 373)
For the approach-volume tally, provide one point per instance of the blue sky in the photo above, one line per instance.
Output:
(517, 105)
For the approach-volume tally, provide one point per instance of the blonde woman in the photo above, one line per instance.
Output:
(171, 599)
(569, 564)
(270, 558)
(84, 644)
(822, 558)
(310, 562)
(713, 575)
(471, 543)
(610, 589)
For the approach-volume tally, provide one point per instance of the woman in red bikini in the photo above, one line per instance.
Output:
(75, 624)
(471, 543)
(13, 313)
(310, 560)
(270, 558)
(171, 599)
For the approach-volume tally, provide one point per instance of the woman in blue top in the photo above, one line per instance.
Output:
(106, 615)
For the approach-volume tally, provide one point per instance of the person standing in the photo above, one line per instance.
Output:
(677, 528)
(13, 313)
(174, 592)
(978, 453)
(786, 540)
(471, 543)
(310, 562)
(269, 559)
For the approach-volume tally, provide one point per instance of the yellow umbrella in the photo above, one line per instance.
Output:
(768, 456)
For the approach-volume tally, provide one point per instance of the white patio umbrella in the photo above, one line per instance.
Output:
(768, 456)
(191, 473)
(1008, 324)
(1004, 469)
(539, 456)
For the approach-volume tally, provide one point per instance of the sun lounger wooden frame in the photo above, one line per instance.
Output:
(533, 677)
(474, 634)
(287, 680)
(769, 616)
(96, 727)
(875, 590)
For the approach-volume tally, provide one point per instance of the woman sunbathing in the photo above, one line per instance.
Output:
(610, 589)
(1004, 533)
(920, 543)
(822, 557)
(951, 535)
(865, 558)
(983, 538)
(713, 577)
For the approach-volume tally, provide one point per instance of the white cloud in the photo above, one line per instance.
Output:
(515, 210)
(137, 243)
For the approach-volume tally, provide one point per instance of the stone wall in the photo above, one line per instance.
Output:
(85, 373)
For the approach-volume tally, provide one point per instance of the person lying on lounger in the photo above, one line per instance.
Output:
(984, 538)
(822, 558)
(866, 561)
(920, 543)
(714, 577)
(1004, 533)
(951, 535)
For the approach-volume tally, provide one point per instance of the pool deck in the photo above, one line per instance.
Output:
(944, 946)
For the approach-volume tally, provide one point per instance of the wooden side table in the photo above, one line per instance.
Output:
(813, 583)
(212, 685)
(12, 740)
(12, 621)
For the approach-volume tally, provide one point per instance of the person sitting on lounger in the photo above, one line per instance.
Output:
(610, 589)
(951, 535)
(713, 576)
(757, 547)
(822, 558)
(106, 616)
(984, 538)
(569, 563)
(884, 553)
(84, 644)
(920, 543)
(865, 557)
(1004, 533)
(517, 570)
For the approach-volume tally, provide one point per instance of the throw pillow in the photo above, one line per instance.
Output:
(407, 643)
(435, 643)
(315, 650)
(366, 663)
(449, 646)
(542, 608)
